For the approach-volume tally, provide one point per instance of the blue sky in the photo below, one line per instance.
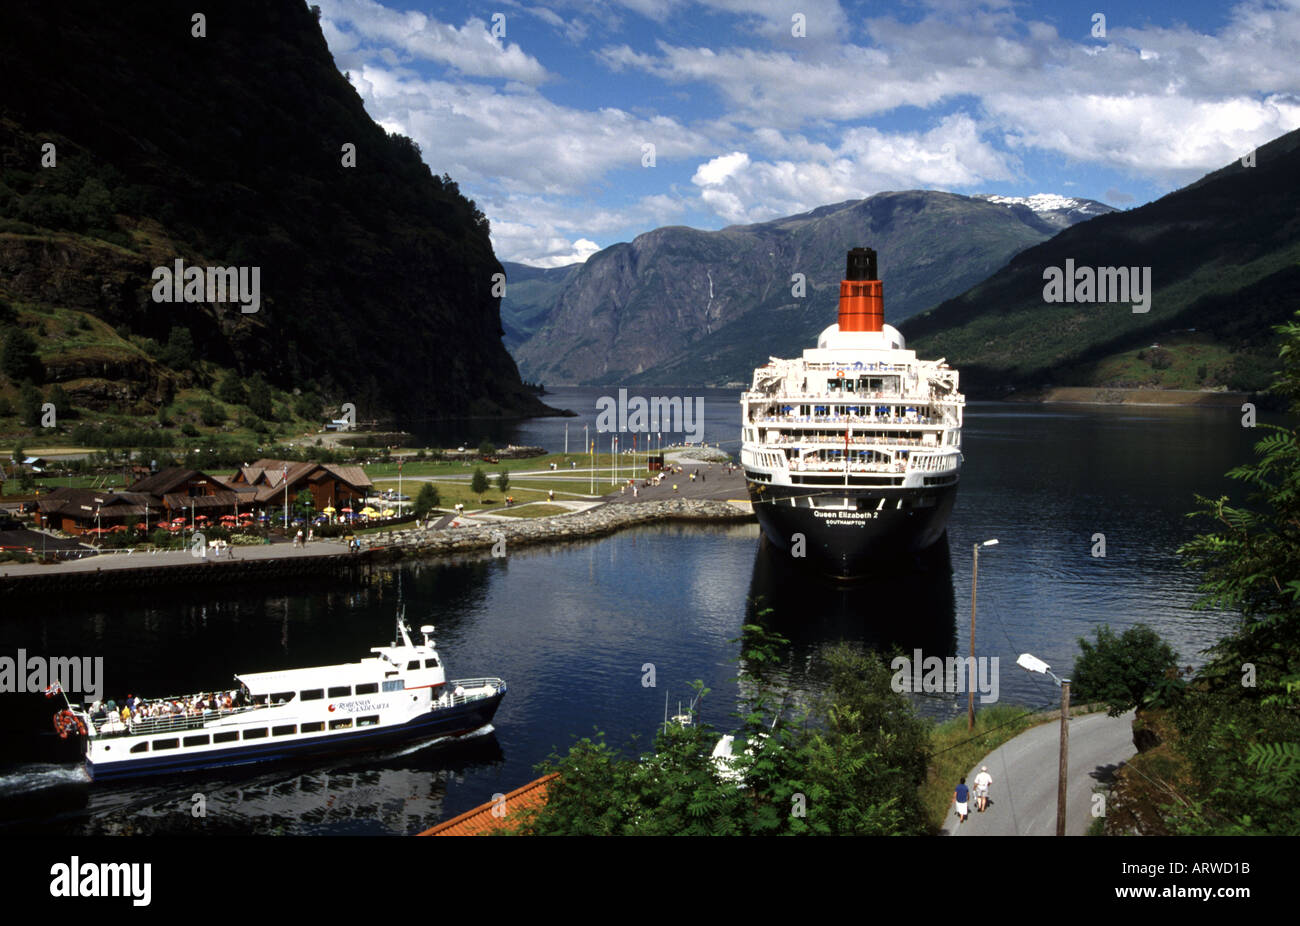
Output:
(542, 112)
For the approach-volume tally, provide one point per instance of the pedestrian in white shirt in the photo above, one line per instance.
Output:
(982, 782)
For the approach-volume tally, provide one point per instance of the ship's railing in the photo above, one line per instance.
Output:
(475, 689)
(832, 467)
(823, 420)
(834, 440)
(934, 463)
(168, 723)
(926, 463)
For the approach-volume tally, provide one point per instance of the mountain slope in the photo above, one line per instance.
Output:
(1223, 254)
(531, 294)
(683, 306)
(228, 150)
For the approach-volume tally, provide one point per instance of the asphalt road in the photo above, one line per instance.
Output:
(1022, 800)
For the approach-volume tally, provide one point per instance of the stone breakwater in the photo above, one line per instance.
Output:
(594, 522)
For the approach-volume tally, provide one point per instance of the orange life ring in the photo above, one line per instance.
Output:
(839, 373)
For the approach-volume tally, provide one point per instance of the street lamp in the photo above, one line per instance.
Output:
(1034, 664)
(974, 580)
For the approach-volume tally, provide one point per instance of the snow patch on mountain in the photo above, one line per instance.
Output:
(1047, 202)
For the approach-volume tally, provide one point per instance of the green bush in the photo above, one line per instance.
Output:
(1122, 670)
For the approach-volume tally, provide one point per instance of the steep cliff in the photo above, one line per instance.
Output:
(235, 148)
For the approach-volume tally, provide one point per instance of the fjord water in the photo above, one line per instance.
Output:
(573, 628)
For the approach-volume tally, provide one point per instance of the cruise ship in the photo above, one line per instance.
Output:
(398, 695)
(852, 453)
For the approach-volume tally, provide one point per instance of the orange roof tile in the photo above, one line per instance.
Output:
(481, 822)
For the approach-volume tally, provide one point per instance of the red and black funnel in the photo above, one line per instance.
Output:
(862, 304)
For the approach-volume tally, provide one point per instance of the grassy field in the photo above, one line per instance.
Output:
(452, 493)
(532, 511)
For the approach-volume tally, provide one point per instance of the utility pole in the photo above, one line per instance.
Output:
(974, 581)
(1065, 757)
(1034, 664)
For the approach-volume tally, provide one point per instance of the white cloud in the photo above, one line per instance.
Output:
(470, 49)
(1152, 134)
(1121, 102)
(516, 139)
(720, 168)
(545, 232)
(867, 161)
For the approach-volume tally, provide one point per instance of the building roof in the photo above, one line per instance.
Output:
(221, 499)
(269, 476)
(481, 822)
(353, 475)
(83, 502)
(167, 480)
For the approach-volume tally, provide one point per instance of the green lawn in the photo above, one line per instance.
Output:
(532, 511)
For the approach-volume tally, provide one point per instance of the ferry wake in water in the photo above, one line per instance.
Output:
(852, 452)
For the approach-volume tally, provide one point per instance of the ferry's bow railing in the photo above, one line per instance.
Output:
(474, 689)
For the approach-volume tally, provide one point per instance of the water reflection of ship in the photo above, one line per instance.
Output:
(910, 605)
(906, 606)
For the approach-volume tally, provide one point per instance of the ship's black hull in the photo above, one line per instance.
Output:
(850, 532)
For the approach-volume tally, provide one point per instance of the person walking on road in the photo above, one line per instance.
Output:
(961, 798)
(982, 782)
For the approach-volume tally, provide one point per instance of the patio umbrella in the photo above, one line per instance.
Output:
(329, 510)
(142, 526)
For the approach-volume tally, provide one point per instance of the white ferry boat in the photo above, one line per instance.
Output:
(852, 453)
(397, 695)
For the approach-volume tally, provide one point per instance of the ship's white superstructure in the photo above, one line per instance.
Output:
(858, 406)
